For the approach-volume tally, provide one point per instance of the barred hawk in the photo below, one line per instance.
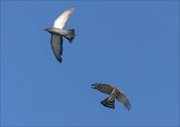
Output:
(115, 93)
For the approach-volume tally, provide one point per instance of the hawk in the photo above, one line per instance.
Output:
(114, 92)
(58, 32)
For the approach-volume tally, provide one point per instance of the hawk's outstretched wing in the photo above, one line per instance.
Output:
(62, 20)
(104, 88)
(123, 99)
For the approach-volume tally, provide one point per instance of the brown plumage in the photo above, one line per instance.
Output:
(114, 92)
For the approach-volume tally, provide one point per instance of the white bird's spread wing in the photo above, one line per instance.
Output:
(62, 20)
(56, 44)
(123, 99)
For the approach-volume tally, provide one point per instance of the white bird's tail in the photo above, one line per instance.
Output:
(70, 35)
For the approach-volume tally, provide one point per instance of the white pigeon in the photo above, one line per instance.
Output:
(58, 31)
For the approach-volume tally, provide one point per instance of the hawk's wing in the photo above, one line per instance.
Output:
(56, 44)
(104, 88)
(123, 99)
(62, 20)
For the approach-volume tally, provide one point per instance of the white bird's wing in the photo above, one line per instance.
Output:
(123, 99)
(56, 44)
(62, 20)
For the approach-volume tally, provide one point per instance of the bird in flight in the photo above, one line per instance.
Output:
(115, 93)
(58, 31)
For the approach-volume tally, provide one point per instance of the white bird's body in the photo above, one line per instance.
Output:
(58, 31)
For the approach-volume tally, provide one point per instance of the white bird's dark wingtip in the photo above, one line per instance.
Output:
(60, 60)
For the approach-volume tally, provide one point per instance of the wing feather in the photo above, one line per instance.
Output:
(56, 44)
(62, 20)
(123, 99)
(104, 88)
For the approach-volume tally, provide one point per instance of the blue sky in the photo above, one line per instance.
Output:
(133, 45)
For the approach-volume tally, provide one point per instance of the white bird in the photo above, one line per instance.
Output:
(58, 31)
(114, 92)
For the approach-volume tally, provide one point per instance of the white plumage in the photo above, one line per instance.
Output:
(62, 20)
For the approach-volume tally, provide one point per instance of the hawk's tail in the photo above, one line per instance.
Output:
(108, 103)
(70, 35)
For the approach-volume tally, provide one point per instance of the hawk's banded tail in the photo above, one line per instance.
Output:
(108, 103)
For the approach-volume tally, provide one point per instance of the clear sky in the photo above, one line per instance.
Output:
(130, 44)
